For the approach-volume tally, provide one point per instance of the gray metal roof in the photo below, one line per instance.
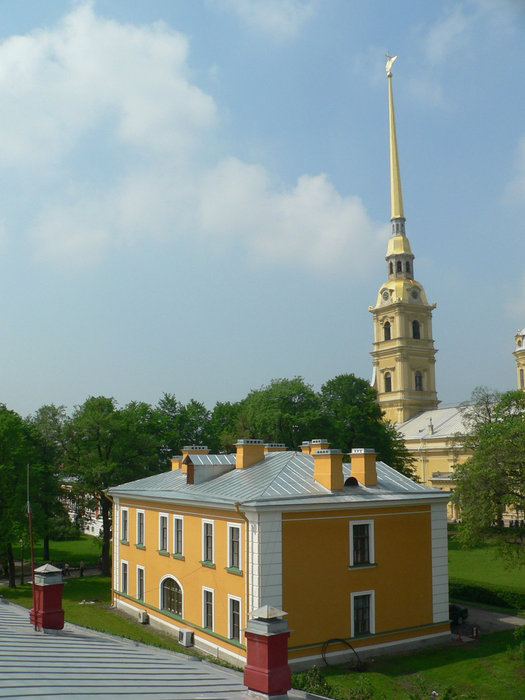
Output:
(446, 422)
(77, 662)
(281, 477)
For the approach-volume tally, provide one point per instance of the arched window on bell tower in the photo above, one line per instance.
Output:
(522, 380)
(416, 330)
(399, 266)
(388, 382)
(391, 268)
(418, 381)
(387, 331)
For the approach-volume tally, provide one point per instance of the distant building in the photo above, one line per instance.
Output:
(355, 552)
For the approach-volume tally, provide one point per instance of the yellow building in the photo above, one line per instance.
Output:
(403, 351)
(355, 552)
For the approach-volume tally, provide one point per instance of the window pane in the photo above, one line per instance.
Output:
(208, 542)
(163, 540)
(140, 528)
(361, 614)
(208, 609)
(177, 545)
(361, 544)
(235, 619)
(172, 596)
(235, 547)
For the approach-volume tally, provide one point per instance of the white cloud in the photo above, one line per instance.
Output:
(280, 19)
(92, 94)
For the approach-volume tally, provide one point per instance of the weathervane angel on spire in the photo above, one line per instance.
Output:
(389, 62)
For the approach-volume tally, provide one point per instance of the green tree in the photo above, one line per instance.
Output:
(286, 410)
(226, 426)
(107, 446)
(353, 418)
(493, 478)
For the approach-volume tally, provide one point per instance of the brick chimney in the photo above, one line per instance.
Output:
(249, 451)
(274, 447)
(176, 462)
(328, 468)
(191, 450)
(311, 447)
(364, 466)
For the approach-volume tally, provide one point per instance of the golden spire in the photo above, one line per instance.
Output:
(396, 196)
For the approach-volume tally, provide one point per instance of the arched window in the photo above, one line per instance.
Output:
(387, 331)
(407, 266)
(391, 268)
(171, 596)
(416, 330)
(388, 382)
(399, 266)
(419, 381)
(522, 380)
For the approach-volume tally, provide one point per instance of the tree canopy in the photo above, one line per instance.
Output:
(493, 478)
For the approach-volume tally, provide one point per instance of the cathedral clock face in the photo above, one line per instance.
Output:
(414, 293)
(385, 295)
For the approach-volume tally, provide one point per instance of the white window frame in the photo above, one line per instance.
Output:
(372, 595)
(204, 523)
(231, 565)
(205, 590)
(137, 590)
(137, 541)
(371, 547)
(124, 563)
(178, 519)
(230, 626)
(181, 588)
(167, 518)
(124, 532)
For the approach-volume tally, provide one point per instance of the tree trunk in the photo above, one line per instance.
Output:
(46, 548)
(106, 535)
(11, 566)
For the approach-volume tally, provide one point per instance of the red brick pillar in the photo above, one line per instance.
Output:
(47, 612)
(267, 671)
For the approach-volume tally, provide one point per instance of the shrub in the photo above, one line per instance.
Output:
(489, 594)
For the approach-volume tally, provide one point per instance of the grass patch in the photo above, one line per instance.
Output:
(86, 548)
(481, 565)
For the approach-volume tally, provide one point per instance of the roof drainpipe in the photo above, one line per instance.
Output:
(237, 506)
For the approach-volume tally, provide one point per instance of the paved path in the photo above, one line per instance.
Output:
(490, 621)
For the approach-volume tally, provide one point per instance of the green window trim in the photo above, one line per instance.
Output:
(233, 570)
(361, 566)
(209, 564)
(180, 557)
(124, 542)
(163, 552)
(140, 546)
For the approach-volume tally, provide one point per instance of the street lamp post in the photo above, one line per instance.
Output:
(21, 562)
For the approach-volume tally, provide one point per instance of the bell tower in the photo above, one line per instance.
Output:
(519, 354)
(403, 350)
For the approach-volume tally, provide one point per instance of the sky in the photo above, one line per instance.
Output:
(194, 195)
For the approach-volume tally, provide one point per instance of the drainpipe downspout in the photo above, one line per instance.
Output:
(240, 512)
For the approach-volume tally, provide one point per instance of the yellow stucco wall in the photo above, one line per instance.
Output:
(189, 572)
(317, 580)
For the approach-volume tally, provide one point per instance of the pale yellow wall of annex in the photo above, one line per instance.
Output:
(191, 574)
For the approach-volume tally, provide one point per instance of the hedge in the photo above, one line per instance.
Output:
(488, 594)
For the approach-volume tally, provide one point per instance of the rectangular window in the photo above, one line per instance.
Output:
(140, 583)
(124, 530)
(178, 535)
(234, 622)
(363, 613)
(207, 540)
(140, 528)
(163, 532)
(234, 546)
(124, 577)
(361, 542)
(207, 608)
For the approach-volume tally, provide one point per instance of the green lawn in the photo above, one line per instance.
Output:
(480, 565)
(86, 548)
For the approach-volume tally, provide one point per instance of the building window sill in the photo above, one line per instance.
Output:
(181, 557)
(163, 552)
(124, 542)
(233, 570)
(362, 566)
(209, 564)
(140, 546)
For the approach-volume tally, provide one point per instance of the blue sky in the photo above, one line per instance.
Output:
(194, 196)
